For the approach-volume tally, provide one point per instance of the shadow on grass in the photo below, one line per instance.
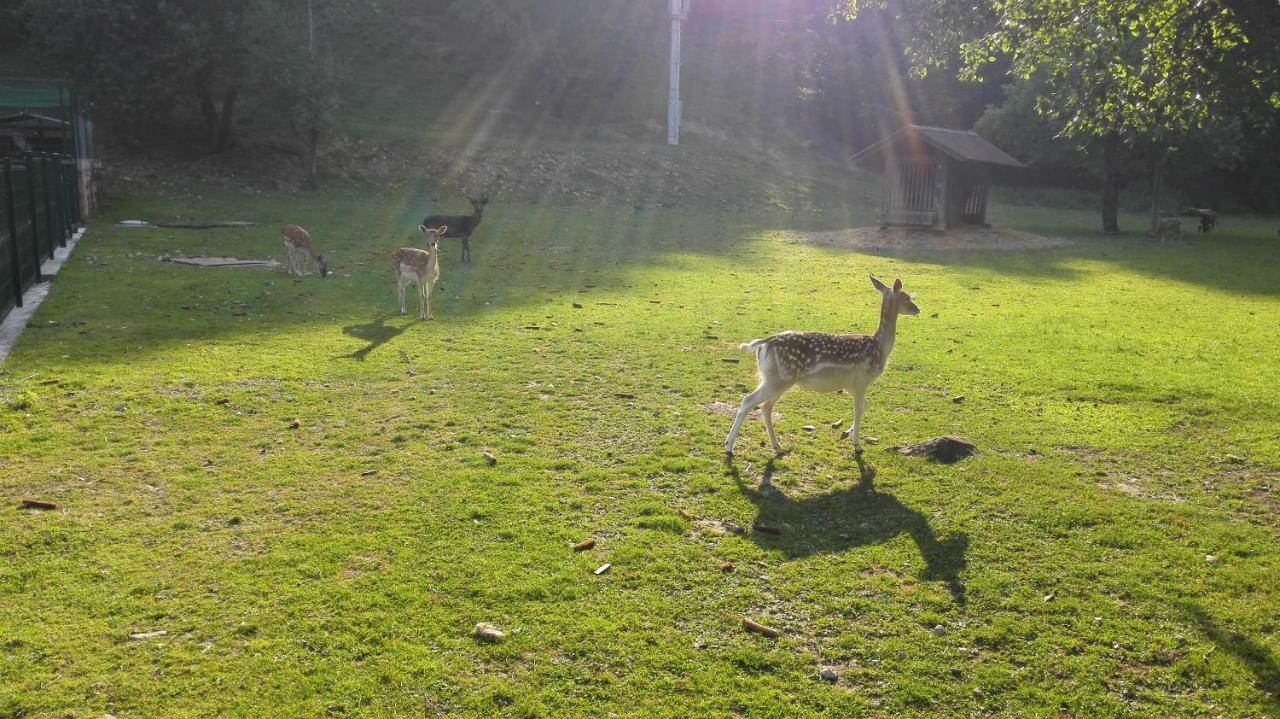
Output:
(376, 333)
(850, 517)
(1239, 261)
(1255, 657)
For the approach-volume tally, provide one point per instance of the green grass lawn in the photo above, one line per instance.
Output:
(1111, 552)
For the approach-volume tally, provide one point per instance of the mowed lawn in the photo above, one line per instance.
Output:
(1111, 552)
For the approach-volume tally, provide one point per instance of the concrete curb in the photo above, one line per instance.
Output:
(11, 328)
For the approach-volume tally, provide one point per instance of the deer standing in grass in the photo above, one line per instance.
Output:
(297, 245)
(420, 266)
(823, 363)
(461, 226)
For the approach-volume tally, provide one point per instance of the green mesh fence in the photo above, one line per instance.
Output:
(31, 97)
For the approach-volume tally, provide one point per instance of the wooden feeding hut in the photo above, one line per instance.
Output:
(29, 132)
(935, 177)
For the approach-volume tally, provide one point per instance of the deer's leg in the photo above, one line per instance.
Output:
(422, 302)
(765, 393)
(400, 292)
(426, 291)
(859, 406)
(466, 249)
(767, 408)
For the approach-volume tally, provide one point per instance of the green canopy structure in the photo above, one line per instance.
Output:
(31, 98)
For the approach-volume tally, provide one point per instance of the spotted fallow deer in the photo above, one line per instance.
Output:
(824, 363)
(297, 245)
(421, 266)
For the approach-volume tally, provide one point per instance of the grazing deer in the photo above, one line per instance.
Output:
(422, 267)
(823, 363)
(297, 245)
(461, 225)
(1166, 228)
(1208, 218)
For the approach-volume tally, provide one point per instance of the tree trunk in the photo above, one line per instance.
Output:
(1157, 189)
(1110, 184)
(222, 141)
(207, 108)
(313, 145)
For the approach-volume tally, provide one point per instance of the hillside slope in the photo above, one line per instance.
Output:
(432, 107)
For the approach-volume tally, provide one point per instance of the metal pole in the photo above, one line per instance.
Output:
(679, 11)
(48, 209)
(64, 208)
(31, 202)
(13, 231)
(73, 117)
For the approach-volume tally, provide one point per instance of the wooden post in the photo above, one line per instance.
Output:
(941, 170)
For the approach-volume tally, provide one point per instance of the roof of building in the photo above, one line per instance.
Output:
(31, 118)
(963, 145)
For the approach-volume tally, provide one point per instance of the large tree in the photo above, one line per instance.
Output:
(1119, 73)
(142, 60)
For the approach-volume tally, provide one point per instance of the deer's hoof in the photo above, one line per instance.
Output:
(857, 451)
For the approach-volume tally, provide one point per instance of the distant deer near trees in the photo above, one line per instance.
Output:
(297, 245)
(421, 266)
(1208, 218)
(461, 226)
(823, 363)
(1167, 228)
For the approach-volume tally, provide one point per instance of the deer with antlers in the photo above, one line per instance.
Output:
(461, 226)
(823, 363)
(297, 245)
(421, 266)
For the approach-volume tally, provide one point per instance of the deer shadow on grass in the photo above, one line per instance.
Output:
(1259, 659)
(848, 517)
(376, 333)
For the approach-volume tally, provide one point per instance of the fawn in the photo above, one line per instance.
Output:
(297, 245)
(1167, 227)
(823, 363)
(461, 225)
(420, 266)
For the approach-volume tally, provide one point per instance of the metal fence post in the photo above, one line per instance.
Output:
(49, 223)
(31, 203)
(13, 232)
(73, 191)
(60, 197)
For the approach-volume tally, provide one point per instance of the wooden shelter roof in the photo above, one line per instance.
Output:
(963, 145)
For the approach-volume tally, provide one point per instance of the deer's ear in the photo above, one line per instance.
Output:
(897, 285)
(878, 284)
(422, 229)
(443, 229)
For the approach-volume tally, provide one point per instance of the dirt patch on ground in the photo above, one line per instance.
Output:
(900, 238)
(731, 410)
(222, 262)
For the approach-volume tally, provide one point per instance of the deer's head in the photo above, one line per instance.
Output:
(478, 204)
(895, 299)
(324, 267)
(433, 235)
